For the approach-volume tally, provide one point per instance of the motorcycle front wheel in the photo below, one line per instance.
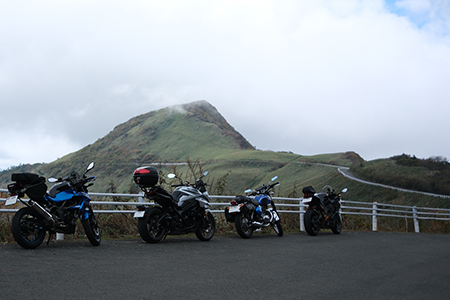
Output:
(337, 224)
(149, 227)
(312, 225)
(277, 227)
(27, 228)
(206, 231)
(243, 226)
(92, 229)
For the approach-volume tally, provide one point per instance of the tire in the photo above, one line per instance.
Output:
(149, 228)
(92, 229)
(206, 231)
(278, 228)
(312, 225)
(242, 227)
(337, 224)
(27, 228)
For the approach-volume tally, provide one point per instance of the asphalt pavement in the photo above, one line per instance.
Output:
(351, 265)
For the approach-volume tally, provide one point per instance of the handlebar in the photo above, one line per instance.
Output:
(177, 185)
(264, 189)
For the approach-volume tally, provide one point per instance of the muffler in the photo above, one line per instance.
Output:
(41, 211)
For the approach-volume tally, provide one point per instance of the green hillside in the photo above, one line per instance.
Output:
(430, 175)
(197, 133)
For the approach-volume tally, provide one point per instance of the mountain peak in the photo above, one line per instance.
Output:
(205, 112)
(195, 130)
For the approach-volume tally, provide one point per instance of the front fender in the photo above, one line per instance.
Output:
(85, 211)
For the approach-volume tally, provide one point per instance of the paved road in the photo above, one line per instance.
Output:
(352, 265)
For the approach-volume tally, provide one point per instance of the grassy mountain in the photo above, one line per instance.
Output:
(196, 132)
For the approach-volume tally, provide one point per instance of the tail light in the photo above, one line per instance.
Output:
(233, 202)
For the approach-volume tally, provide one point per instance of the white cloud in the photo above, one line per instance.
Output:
(326, 75)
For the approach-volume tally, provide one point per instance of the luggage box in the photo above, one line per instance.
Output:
(308, 191)
(146, 176)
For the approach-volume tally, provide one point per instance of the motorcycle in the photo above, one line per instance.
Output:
(184, 211)
(55, 211)
(323, 210)
(250, 214)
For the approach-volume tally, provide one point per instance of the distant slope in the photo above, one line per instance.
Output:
(430, 175)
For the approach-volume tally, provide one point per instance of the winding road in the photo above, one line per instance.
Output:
(345, 172)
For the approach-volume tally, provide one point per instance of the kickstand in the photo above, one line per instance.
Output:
(49, 237)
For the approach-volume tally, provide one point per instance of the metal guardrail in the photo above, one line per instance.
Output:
(290, 205)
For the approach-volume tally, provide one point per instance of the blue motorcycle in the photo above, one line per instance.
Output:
(55, 211)
(250, 214)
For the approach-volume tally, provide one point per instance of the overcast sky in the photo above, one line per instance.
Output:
(305, 76)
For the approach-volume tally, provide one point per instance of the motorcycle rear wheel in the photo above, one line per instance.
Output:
(337, 224)
(92, 229)
(312, 225)
(206, 231)
(26, 228)
(242, 226)
(149, 228)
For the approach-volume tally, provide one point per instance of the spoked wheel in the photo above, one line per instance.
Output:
(149, 227)
(243, 226)
(208, 228)
(92, 229)
(337, 224)
(312, 225)
(277, 227)
(27, 228)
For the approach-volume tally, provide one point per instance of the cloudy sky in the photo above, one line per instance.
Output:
(311, 77)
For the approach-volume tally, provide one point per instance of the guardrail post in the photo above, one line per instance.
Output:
(141, 197)
(59, 236)
(416, 220)
(374, 217)
(301, 210)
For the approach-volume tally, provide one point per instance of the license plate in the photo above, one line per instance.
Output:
(234, 209)
(275, 216)
(11, 200)
(139, 214)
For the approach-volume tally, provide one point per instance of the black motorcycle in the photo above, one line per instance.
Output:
(250, 214)
(185, 210)
(55, 211)
(323, 210)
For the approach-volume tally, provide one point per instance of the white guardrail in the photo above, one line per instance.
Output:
(290, 205)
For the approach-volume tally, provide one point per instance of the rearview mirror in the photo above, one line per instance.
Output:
(171, 175)
(90, 166)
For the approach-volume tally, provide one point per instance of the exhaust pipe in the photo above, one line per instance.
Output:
(260, 224)
(42, 211)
